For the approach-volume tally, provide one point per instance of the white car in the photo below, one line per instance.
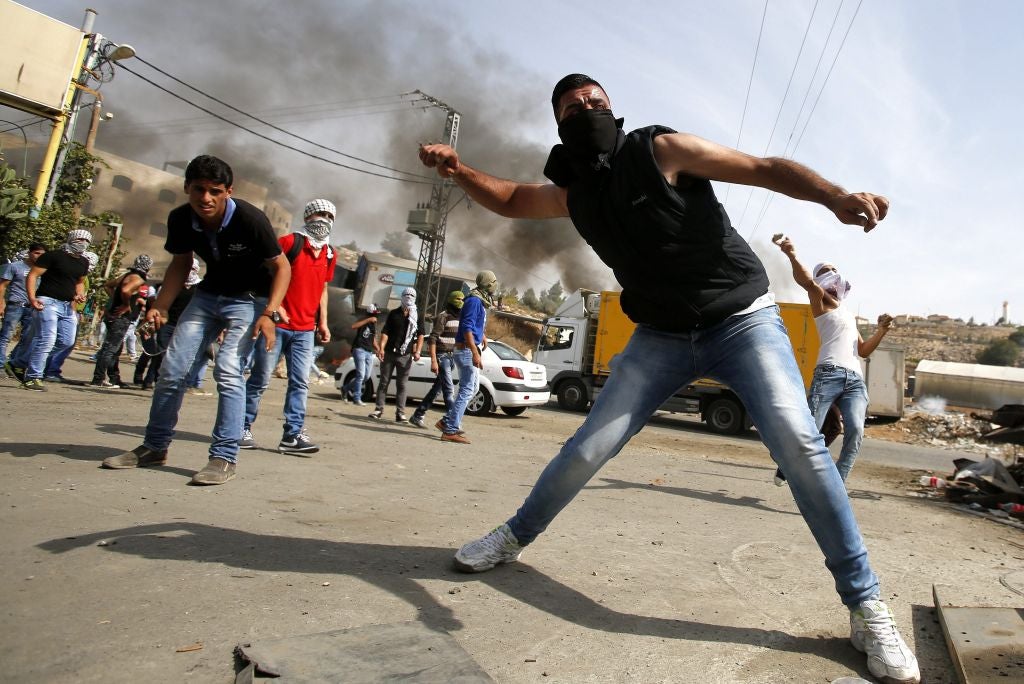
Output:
(508, 381)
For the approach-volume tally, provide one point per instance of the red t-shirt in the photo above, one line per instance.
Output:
(309, 274)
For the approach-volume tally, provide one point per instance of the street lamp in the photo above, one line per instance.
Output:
(97, 53)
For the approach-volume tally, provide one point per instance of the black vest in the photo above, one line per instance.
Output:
(679, 261)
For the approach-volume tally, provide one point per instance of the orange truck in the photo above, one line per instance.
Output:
(579, 341)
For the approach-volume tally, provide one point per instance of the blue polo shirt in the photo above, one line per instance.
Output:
(16, 272)
(473, 319)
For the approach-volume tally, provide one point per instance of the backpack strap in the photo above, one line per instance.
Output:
(298, 242)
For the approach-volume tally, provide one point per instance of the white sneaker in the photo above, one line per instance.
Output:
(497, 546)
(873, 632)
(780, 480)
(247, 441)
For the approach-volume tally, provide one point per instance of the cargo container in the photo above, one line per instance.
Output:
(580, 340)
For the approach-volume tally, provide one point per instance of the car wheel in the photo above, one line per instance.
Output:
(724, 416)
(367, 387)
(573, 395)
(513, 410)
(481, 403)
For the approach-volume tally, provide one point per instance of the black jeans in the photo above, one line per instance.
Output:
(107, 357)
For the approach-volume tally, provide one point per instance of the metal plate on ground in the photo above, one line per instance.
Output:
(986, 644)
(406, 652)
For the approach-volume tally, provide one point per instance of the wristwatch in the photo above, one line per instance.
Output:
(273, 315)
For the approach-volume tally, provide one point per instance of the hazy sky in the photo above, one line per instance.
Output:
(923, 105)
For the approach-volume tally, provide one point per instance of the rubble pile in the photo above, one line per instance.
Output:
(951, 430)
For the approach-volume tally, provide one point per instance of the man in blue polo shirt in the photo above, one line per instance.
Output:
(246, 278)
(14, 305)
(470, 340)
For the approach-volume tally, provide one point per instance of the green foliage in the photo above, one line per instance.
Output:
(510, 297)
(18, 229)
(529, 299)
(15, 195)
(552, 298)
(1004, 352)
(1017, 337)
(80, 168)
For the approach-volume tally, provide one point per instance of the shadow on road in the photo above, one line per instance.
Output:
(716, 497)
(399, 569)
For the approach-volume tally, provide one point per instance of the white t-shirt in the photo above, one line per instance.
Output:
(839, 337)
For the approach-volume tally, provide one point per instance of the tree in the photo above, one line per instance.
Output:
(398, 243)
(530, 300)
(1003, 352)
(18, 229)
(1017, 336)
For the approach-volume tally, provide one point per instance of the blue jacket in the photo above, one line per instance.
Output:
(473, 319)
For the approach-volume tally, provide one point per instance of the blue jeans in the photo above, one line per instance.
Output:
(844, 387)
(445, 384)
(363, 359)
(297, 347)
(452, 421)
(753, 356)
(14, 315)
(203, 319)
(52, 330)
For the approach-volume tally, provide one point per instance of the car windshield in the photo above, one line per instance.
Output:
(505, 352)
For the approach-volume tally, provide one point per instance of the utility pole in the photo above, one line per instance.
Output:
(429, 222)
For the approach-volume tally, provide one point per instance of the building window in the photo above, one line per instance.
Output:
(168, 196)
(122, 183)
(158, 229)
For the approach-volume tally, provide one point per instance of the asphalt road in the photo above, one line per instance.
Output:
(679, 562)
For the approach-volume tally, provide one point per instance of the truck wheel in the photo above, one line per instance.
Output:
(480, 404)
(573, 395)
(724, 416)
(513, 410)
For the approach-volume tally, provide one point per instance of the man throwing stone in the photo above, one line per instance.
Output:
(644, 201)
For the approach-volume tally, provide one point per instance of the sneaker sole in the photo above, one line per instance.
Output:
(246, 446)
(297, 450)
(138, 465)
(463, 566)
(201, 483)
(858, 644)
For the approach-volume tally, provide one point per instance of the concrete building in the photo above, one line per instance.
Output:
(143, 195)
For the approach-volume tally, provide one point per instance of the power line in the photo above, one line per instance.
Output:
(278, 128)
(298, 113)
(811, 113)
(143, 129)
(750, 83)
(782, 104)
(269, 139)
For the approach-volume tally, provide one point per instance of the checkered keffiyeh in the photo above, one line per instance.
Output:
(318, 205)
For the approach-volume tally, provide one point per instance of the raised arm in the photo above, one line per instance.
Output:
(682, 153)
(820, 300)
(503, 197)
(865, 347)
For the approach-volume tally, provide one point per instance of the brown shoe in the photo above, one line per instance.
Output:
(440, 426)
(454, 437)
(139, 457)
(217, 472)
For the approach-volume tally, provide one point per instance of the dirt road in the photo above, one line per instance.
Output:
(680, 562)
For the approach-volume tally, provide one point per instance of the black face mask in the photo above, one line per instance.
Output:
(588, 140)
(589, 133)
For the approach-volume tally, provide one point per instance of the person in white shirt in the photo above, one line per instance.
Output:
(837, 374)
